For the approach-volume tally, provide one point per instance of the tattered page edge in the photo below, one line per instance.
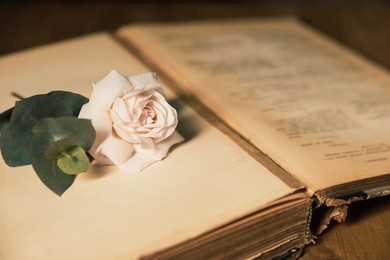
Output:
(354, 191)
(337, 213)
(335, 208)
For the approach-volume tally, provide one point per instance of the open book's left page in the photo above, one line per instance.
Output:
(205, 182)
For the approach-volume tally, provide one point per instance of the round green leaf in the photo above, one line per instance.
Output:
(71, 100)
(54, 138)
(5, 117)
(67, 132)
(73, 161)
(47, 170)
(56, 148)
(29, 111)
(13, 154)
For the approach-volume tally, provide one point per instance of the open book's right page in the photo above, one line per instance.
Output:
(317, 109)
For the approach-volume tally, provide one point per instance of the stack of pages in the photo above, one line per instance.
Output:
(277, 120)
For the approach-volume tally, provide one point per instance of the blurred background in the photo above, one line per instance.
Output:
(362, 25)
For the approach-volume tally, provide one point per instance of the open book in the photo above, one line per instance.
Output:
(283, 118)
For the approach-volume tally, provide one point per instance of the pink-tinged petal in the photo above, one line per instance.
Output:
(87, 112)
(101, 122)
(170, 114)
(160, 109)
(134, 105)
(163, 147)
(103, 126)
(146, 81)
(142, 158)
(117, 150)
(113, 81)
(172, 117)
(128, 136)
(116, 120)
(102, 160)
(168, 127)
(105, 91)
(137, 163)
(120, 109)
(147, 143)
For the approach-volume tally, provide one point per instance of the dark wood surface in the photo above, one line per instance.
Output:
(363, 27)
(364, 235)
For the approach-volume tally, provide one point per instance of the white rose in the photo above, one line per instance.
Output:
(135, 126)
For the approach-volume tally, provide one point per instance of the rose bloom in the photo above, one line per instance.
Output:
(135, 125)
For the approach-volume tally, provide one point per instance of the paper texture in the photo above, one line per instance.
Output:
(318, 110)
(107, 213)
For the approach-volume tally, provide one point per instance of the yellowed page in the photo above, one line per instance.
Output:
(318, 110)
(109, 214)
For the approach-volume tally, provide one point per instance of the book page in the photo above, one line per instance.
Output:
(205, 182)
(319, 111)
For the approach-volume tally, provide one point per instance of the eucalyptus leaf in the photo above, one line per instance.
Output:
(56, 133)
(47, 170)
(55, 138)
(29, 111)
(69, 131)
(74, 161)
(72, 100)
(5, 117)
(56, 148)
(11, 148)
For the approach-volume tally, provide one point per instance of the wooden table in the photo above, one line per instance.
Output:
(364, 235)
(363, 27)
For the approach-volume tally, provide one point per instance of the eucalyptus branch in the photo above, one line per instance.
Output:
(17, 95)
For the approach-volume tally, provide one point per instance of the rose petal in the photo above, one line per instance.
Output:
(102, 160)
(146, 81)
(106, 90)
(147, 143)
(86, 112)
(134, 105)
(144, 157)
(172, 114)
(117, 150)
(101, 122)
(128, 136)
(120, 109)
